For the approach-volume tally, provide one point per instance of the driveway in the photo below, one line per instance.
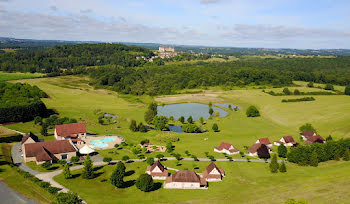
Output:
(18, 160)
(9, 196)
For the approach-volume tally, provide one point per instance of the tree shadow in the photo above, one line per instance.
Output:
(129, 161)
(128, 184)
(98, 174)
(129, 173)
(156, 186)
(75, 176)
(53, 168)
(98, 168)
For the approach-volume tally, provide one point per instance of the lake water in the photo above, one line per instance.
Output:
(196, 110)
(107, 115)
(225, 105)
(176, 128)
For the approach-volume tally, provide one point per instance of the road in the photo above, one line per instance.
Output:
(10, 196)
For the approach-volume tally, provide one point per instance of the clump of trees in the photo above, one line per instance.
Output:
(298, 99)
(191, 128)
(151, 112)
(161, 122)
(145, 182)
(318, 152)
(252, 111)
(307, 126)
(20, 102)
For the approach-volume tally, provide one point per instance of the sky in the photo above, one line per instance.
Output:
(302, 24)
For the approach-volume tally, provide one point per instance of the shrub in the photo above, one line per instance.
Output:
(150, 160)
(283, 167)
(159, 156)
(74, 159)
(282, 151)
(66, 172)
(142, 127)
(190, 128)
(346, 155)
(252, 111)
(52, 190)
(329, 87)
(116, 145)
(107, 159)
(26, 175)
(62, 162)
(347, 90)
(125, 158)
(215, 127)
(190, 119)
(67, 198)
(133, 126)
(145, 183)
(298, 99)
(36, 180)
(211, 111)
(201, 120)
(274, 164)
(182, 119)
(169, 146)
(46, 165)
(286, 91)
(296, 92)
(310, 84)
(44, 184)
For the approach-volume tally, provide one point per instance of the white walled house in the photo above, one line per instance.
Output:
(286, 141)
(307, 134)
(253, 150)
(157, 171)
(264, 141)
(213, 173)
(227, 148)
(185, 179)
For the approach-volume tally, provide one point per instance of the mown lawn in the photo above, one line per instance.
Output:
(5, 76)
(22, 185)
(72, 97)
(244, 183)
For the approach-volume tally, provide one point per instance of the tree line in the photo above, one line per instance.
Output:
(20, 102)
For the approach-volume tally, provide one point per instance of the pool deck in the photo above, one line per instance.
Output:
(110, 144)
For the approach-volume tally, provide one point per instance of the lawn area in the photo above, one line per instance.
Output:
(72, 97)
(22, 185)
(5, 132)
(5, 76)
(244, 183)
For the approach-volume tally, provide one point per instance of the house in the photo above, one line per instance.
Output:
(29, 138)
(315, 139)
(287, 141)
(41, 152)
(258, 149)
(226, 148)
(185, 179)
(307, 133)
(74, 131)
(157, 171)
(264, 141)
(213, 173)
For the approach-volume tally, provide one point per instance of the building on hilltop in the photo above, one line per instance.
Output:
(166, 49)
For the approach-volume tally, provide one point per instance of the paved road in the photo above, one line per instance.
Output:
(18, 160)
(9, 196)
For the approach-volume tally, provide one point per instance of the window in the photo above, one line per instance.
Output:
(64, 156)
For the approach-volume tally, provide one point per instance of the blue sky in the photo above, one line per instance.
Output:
(237, 23)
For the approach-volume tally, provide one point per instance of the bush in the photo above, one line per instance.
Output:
(44, 184)
(62, 162)
(46, 165)
(159, 156)
(182, 119)
(66, 172)
(286, 91)
(329, 87)
(74, 159)
(107, 159)
(150, 160)
(26, 175)
(215, 127)
(67, 198)
(125, 158)
(346, 155)
(145, 183)
(347, 90)
(282, 151)
(298, 99)
(36, 180)
(310, 84)
(52, 190)
(252, 111)
(190, 119)
(274, 164)
(283, 167)
(190, 128)
(133, 126)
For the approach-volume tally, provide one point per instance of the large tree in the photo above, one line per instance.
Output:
(282, 151)
(88, 170)
(145, 182)
(252, 111)
(274, 166)
(117, 177)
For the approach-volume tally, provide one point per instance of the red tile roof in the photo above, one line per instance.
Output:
(316, 138)
(154, 165)
(264, 141)
(288, 139)
(52, 147)
(185, 176)
(226, 145)
(308, 133)
(211, 166)
(26, 137)
(67, 130)
(253, 149)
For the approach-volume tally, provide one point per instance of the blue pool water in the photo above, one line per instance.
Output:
(101, 142)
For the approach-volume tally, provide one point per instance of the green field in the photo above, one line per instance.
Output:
(244, 183)
(72, 97)
(5, 76)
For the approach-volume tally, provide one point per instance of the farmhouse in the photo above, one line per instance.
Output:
(226, 148)
(29, 138)
(185, 179)
(258, 149)
(287, 141)
(307, 133)
(157, 171)
(213, 173)
(74, 131)
(315, 139)
(41, 152)
(264, 141)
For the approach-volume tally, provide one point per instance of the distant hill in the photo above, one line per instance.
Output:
(14, 43)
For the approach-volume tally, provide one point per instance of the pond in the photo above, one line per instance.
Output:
(107, 115)
(176, 128)
(226, 105)
(196, 110)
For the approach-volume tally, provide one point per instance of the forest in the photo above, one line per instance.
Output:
(20, 102)
(73, 56)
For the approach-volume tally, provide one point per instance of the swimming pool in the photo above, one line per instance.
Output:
(101, 142)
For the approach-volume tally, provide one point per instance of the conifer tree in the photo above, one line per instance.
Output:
(314, 159)
(282, 151)
(283, 167)
(66, 172)
(274, 164)
(88, 171)
(117, 177)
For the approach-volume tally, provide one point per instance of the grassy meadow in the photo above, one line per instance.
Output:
(5, 76)
(244, 183)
